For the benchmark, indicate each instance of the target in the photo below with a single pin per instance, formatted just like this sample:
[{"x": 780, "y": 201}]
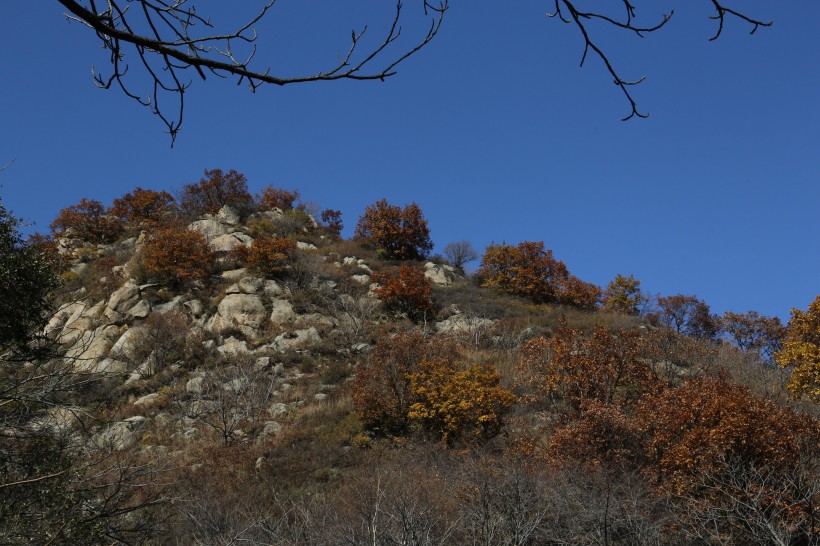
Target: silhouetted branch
[
  {"x": 567, "y": 12},
  {"x": 164, "y": 35}
]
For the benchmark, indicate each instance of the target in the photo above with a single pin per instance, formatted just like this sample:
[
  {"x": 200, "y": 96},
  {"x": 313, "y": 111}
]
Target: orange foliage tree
[
  {"x": 801, "y": 352},
  {"x": 177, "y": 255},
  {"x": 530, "y": 271},
  {"x": 268, "y": 256},
  {"x": 143, "y": 207},
  {"x": 406, "y": 290},
  {"x": 216, "y": 190},
  {"x": 381, "y": 387},
  {"x": 578, "y": 368},
  {"x": 87, "y": 220},
  {"x": 400, "y": 234},
  {"x": 280, "y": 198},
  {"x": 455, "y": 401},
  {"x": 693, "y": 429}
]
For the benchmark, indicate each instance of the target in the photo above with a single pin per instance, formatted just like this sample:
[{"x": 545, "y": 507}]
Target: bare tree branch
[
  {"x": 567, "y": 12},
  {"x": 170, "y": 44}
]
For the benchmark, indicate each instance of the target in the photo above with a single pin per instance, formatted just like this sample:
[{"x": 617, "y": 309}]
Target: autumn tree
[
  {"x": 215, "y": 190},
  {"x": 623, "y": 295},
  {"x": 460, "y": 253},
  {"x": 87, "y": 220},
  {"x": 692, "y": 429},
  {"x": 406, "y": 290},
  {"x": 143, "y": 207},
  {"x": 687, "y": 315},
  {"x": 801, "y": 351},
  {"x": 577, "y": 368},
  {"x": 398, "y": 233},
  {"x": 269, "y": 256},
  {"x": 280, "y": 198},
  {"x": 381, "y": 389},
  {"x": 177, "y": 255},
  {"x": 530, "y": 271},
  {"x": 754, "y": 332},
  {"x": 333, "y": 221},
  {"x": 455, "y": 401}
]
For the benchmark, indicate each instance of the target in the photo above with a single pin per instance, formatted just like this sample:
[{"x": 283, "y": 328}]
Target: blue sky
[{"x": 493, "y": 129}]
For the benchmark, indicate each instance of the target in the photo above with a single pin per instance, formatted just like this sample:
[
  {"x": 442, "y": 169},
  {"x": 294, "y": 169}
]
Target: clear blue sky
[{"x": 493, "y": 130}]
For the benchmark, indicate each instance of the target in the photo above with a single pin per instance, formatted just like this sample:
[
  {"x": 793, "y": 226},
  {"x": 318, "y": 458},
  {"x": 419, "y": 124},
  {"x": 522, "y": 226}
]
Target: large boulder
[
  {"x": 239, "y": 310},
  {"x": 297, "y": 339},
  {"x": 122, "y": 300},
  {"x": 228, "y": 215},
  {"x": 210, "y": 229},
  {"x": 281, "y": 311},
  {"x": 121, "y": 435},
  {"x": 229, "y": 241},
  {"x": 440, "y": 274}
]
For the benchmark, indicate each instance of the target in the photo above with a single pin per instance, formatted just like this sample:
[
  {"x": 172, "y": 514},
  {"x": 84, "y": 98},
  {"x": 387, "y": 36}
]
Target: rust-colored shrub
[
  {"x": 216, "y": 190},
  {"x": 381, "y": 387},
  {"x": 87, "y": 220},
  {"x": 606, "y": 367},
  {"x": 333, "y": 221},
  {"x": 400, "y": 234},
  {"x": 177, "y": 255},
  {"x": 143, "y": 207},
  {"x": 406, "y": 290},
  {"x": 279, "y": 198},
  {"x": 268, "y": 256},
  {"x": 530, "y": 271},
  {"x": 695, "y": 428}
]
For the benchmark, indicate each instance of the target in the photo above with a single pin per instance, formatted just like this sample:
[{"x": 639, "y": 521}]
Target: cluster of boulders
[{"x": 252, "y": 316}]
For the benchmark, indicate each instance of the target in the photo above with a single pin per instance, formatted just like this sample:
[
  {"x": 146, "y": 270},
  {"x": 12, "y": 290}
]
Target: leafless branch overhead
[
  {"x": 170, "y": 37},
  {"x": 568, "y": 12}
]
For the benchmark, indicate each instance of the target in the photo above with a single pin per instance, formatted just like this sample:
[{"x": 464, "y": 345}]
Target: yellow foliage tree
[
  {"x": 801, "y": 352},
  {"x": 455, "y": 401}
]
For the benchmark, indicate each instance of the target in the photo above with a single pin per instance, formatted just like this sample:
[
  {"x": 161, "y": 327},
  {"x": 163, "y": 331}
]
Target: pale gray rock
[
  {"x": 194, "y": 307},
  {"x": 350, "y": 260},
  {"x": 296, "y": 339},
  {"x": 233, "y": 346},
  {"x": 59, "y": 319},
  {"x": 278, "y": 409},
  {"x": 361, "y": 279},
  {"x": 123, "y": 299},
  {"x": 121, "y": 435},
  {"x": 234, "y": 274},
  {"x": 238, "y": 310},
  {"x": 171, "y": 305},
  {"x": 91, "y": 345},
  {"x": 272, "y": 288},
  {"x": 140, "y": 310},
  {"x": 228, "y": 215},
  {"x": 195, "y": 385},
  {"x": 281, "y": 311},
  {"x": 271, "y": 428},
  {"x": 147, "y": 400},
  {"x": 463, "y": 324},
  {"x": 228, "y": 242},
  {"x": 305, "y": 246},
  {"x": 251, "y": 285},
  {"x": 210, "y": 229},
  {"x": 443, "y": 275}
]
